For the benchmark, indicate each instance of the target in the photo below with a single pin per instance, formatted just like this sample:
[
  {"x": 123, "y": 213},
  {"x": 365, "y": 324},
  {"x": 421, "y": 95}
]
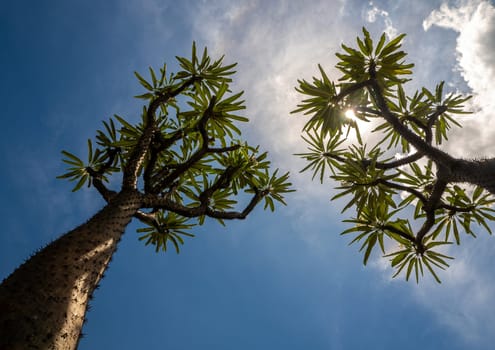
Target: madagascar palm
[
  {"x": 448, "y": 194},
  {"x": 180, "y": 164}
]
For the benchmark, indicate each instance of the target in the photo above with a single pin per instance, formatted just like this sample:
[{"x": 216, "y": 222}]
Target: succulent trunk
[
  {"x": 475, "y": 172},
  {"x": 44, "y": 301}
]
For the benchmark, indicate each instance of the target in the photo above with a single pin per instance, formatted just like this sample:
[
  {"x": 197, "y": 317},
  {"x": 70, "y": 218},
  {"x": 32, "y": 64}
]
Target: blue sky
[{"x": 274, "y": 281}]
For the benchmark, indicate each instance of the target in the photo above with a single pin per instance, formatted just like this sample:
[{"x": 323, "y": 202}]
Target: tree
[
  {"x": 181, "y": 162},
  {"x": 411, "y": 205}
]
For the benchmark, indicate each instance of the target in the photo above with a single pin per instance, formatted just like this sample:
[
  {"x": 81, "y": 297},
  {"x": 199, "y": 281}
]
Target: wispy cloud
[
  {"x": 275, "y": 43},
  {"x": 374, "y": 12}
]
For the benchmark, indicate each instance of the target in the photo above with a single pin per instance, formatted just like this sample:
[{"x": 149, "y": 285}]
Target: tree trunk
[
  {"x": 475, "y": 172},
  {"x": 43, "y": 302}
]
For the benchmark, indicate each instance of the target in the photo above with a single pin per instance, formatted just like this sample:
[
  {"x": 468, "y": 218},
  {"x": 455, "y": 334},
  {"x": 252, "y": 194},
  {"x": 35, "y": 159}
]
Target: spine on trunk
[
  {"x": 476, "y": 172},
  {"x": 61, "y": 277}
]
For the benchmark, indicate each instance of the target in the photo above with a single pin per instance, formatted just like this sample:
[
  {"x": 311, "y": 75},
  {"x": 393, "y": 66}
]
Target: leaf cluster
[
  {"x": 385, "y": 61},
  {"x": 169, "y": 227}
]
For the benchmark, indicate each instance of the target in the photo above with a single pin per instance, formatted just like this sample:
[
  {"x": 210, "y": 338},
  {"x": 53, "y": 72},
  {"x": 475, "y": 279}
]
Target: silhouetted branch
[
  {"x": 166, "y": 203},
  {"x": 138, "y": 153}
]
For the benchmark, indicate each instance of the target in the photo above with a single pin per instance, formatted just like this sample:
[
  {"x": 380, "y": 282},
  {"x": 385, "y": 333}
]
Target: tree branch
[
  {"x": 222, "y": 182},
  {"x": 147, "y": 218},
  {"x": 454, "y": 208},
  {"x": 380, "y": 165},
  {"x": 164, "y": 143},
  {"x": 138, "y": 153},
  {"x": 398, "y": 232},
  {"x": 223, "y": 149},
  {"x": 166, "y": 203},
  {"x": 432, "y": 119},
  {"x": 97, "y": 175},
  {"x": 148, "y": 170},
  {"x": 100, "y": 186},
  {"x": 400, "y": 187},
  {"x": 159, "y": 144},
  {"x": 350, "y": 89},
  {"x": 421, "y": 145},
  {"x": 181, "y": 168},
  {"x": 400, "y": 162},
  {"x": 417, "y": 122},
  {"x": 236, "y": 215},
  {"x": 429, "y": 207}
]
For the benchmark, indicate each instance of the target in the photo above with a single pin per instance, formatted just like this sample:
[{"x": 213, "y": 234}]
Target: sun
[
  {"x": 364, "y": 126},
  {"x": 350, "y": 114}
]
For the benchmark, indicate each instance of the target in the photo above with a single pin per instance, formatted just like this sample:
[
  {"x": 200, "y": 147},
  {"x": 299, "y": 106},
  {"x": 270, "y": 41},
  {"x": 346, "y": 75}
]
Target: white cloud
[
  {"x": 275, "y": 43},
  {"x": 474, "y": 20},
  {"x": 374, "y": 12},
  {"x": 463, "y": 301}
]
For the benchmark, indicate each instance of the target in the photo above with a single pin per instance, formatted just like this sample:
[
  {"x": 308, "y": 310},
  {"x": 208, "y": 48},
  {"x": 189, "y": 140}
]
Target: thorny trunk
[
  {"x": 475, "y": 172},
  {"x": 43, "y": 303}
]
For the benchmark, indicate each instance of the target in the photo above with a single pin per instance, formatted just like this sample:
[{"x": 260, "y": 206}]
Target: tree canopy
[
  {"x": 196, "y": 166},
  {"x": 409, "y": 198}
]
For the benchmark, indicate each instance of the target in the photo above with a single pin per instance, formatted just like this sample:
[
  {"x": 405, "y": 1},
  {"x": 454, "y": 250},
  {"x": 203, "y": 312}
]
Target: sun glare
[
  {"x": 364, "y": 126},
  {"x": 350, "y": 114}
]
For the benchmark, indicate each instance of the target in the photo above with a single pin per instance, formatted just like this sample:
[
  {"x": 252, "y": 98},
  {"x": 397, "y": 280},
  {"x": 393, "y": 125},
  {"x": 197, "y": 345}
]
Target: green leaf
[
  {"x": 143, "y": 82},
  {"x": 153, "y": 77},
  {"x": 80, "y": 183},
  {"x": 427, "y": 264},
  {"x": 370, "y": 245},
  {"x": 368, "y": 43},
  {"x": 391, "y": 46},
  {"x": 410, "y": 266},
  {"x": 400, "y": 257},
  {"x": 72, "y": 159},
  {"x": 380, "y": 44}
]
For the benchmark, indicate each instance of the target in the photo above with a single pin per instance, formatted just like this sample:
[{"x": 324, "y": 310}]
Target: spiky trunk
[
  {"x": 476, "y": 172},
  {"x": 43, "y": 303}
]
